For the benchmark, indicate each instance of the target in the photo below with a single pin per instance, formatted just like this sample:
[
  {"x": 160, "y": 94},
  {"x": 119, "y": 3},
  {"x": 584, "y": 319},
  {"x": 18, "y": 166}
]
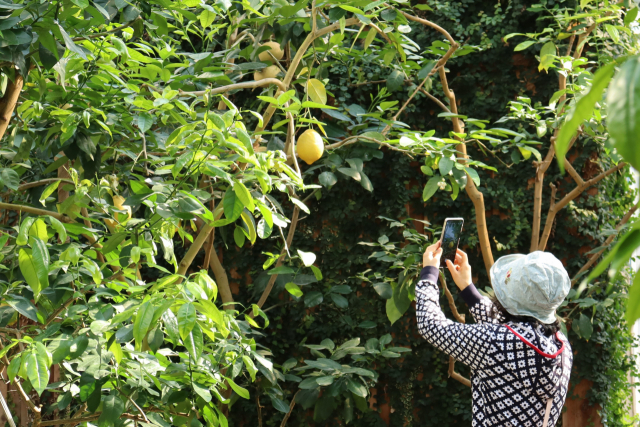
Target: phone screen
[{"x": 450, "y": 239}]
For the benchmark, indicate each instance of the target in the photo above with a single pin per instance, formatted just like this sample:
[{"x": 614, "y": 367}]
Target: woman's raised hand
[
  {"x": 460, "y": 270},
  {"x": 432, "y": 256}
]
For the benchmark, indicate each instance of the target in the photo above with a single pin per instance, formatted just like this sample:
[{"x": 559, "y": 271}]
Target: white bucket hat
[{"x": 530, "y": 285}]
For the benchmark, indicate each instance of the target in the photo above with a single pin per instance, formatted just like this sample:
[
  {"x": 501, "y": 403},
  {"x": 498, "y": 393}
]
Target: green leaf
[
  {"x": 142, "y": 323},
  {"x": 339, "y": 300},
  {"x": 145, "y": 121},
  {"x": 356, "y": 387},
  {"x": 171, "y": 326},
  {"x": 299, "y": 204},
  {"x": 431, "y": 187},
  {"x": 232, "y": 204},
  {"x": 251, "y": 367},
  {"x": 383, "y": 289},
  {"x": 194, "y": 342},
  {"x": 10, "y": 178},
  {"x": 445, "y": 165},
  {"x": 317, "y": 91},
  {"x": 633, "y": 304},
  {"x": 40, "y": 259},
  {"x": 630, "y": 16},
  {"x": 48, "y": 191},
  {"x": 584, "y": 109},
  {"x": 395, "y": 80},
  {"x": 327, "y": 179},
  {"x": 312, "y": 299},
  {"x": 14, "y": 367},
  {"x": 370, "y": 36},
  {"x": 473, "y": 174},
  {"x": 293, "y": 289},
  {"x": 399, "y": 302},
  {"x": 29, "y": 271},
  {"x": 524, "y": 45},
  {"x": 238, "y": 236},
  {"x": 623, "y": 111},
  {"x": 242, "y": 392},
  {"x": 70, "y": 44},
  {"x": 287, "y": 11},
  {"x": 243, "y": 194},
  {"x": 112, "y": 409},
  {"x": 24, "y": 307},
  {"x": 186, "y": 319},
  {"x": 547, "y": 53},
  {"x": 613, "y": 32},
  {"x": 37, "y": 371},
  {"x": 586, "y": 328},
  {"x": 426, "y": 69},
  {"x": 82, "y": 4},
  {"x": 113, "y": 242},
  {"x": 39, "y": 230},
  {"x": 23, "y": 233}
]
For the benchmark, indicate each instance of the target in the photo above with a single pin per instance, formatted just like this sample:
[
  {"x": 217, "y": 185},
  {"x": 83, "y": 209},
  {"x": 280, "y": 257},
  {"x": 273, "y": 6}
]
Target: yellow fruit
[
  {"x": 270, "y": 72},
  {"x": 275, "y": 51},
  {"x": 310, "y": 146},
  {"x": 120, "y": 217}
]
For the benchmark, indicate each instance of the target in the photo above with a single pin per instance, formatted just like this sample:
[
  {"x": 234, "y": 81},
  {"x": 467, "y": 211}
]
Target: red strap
[{"x": 540, "y": 352}]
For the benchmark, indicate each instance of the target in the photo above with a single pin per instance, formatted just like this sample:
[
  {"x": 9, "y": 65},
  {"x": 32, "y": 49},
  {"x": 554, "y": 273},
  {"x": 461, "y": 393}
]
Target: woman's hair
[{"x": 498, "y": 312}]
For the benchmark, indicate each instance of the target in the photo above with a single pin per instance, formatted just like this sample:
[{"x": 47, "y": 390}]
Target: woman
[{"x": 520, "y": 362}]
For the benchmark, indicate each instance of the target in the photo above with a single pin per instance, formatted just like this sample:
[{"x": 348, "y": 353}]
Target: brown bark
[
  {"x": 477, "y": 198},
  {"x": 579, "y": 189},
  {"x": 537, "y": 197},
  {"x": 222, "y": 280},
  {"x": 460, "y": 318},
  {"x": 8, "y": 102}
]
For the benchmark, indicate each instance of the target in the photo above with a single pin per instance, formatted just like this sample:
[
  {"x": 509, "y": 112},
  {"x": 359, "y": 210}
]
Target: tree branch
[
  {"x": 582, "y": 41},
  {"x": 476, "y": 196},
  {"x": 33, "y": 184},
  {"x": 293, "y": 403},
  {"x": 8, "y": 102},
  {"x": 456, "y": 376},
  {"x": 438, "y": 67},
  {"x": 555, "y": 208},
  {"x": 460, "y": 318},
  {"x": 193, "y": 250},
  {"x": 606, "y": 244},
  {"x": 243, "y": 85},
  {"x": 436, "y": 100},
  {"x": 452, "y": 305},
  {"x": 427, "y": 23},
  {"x": 35, "y": 211},
  {"x": 272, "y": 279}
]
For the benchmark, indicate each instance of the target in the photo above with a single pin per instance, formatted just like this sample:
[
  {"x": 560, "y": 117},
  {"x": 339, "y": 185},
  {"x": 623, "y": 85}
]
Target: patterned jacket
[{"x": 515, "y": 368}]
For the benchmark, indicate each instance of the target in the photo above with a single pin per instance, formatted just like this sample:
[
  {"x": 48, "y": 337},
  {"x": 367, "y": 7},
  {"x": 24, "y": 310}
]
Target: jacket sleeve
[
  {"x": 480, "y": 307},
  {"x": 469, "y": 344}
]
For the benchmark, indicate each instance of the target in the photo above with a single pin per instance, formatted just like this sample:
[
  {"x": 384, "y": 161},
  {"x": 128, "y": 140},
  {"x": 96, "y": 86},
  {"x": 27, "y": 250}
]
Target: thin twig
[
  {"x": 606, "y": 244},
  {"x": 144, "y": 153},
  {"x": 293, "y": 403}
]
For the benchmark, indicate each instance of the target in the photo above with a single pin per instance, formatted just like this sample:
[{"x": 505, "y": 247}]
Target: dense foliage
[{"x": 121, "y": 143}]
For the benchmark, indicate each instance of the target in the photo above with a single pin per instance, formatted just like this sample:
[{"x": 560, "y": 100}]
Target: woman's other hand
[
  {"x": 432, "y": 256},
  {"x": 460, "y": 270}
]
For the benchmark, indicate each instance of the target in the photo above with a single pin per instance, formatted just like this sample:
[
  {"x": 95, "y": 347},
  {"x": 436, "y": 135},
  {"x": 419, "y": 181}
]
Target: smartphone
[{"x": 449, "y": 239}]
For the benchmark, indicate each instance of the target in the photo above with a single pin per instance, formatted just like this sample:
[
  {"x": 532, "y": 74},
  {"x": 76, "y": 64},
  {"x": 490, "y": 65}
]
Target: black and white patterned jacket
[{"x": 515, "y": 368}]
